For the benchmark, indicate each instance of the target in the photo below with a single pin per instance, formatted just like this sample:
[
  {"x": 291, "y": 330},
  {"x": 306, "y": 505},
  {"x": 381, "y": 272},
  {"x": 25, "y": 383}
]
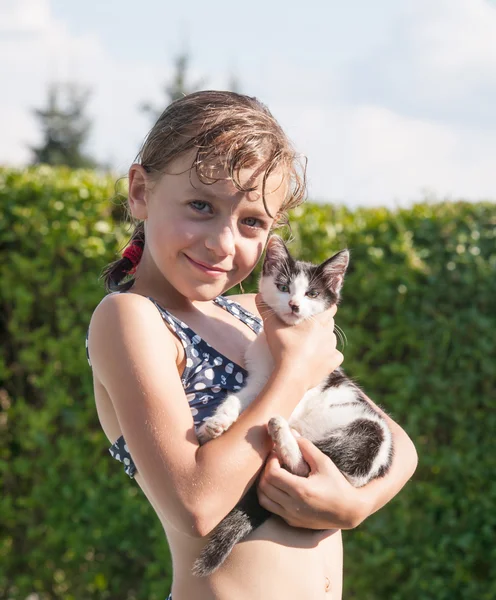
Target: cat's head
[{"x": 295, "y": 289}]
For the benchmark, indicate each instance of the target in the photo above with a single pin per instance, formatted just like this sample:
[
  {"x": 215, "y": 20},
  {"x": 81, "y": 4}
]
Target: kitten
[{"x": 334, "y": 415}]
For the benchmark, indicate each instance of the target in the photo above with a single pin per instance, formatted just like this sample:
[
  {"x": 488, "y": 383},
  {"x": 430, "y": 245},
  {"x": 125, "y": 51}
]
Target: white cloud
[
  {"x": 26, "y": 16},
  {"x": 457, "y": 36},
  {"x": 371, "y": 155},
  {"x": 394, "y": 154},
  {"x": 438, "y": 62}
]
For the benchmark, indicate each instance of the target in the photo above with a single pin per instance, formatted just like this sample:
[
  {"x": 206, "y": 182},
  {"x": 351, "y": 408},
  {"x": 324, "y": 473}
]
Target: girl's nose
[{"x": 221, "y": 242}]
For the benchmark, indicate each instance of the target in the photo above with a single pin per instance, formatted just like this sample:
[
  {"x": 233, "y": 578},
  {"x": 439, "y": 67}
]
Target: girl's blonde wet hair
[{"x": 223, "y": 128}]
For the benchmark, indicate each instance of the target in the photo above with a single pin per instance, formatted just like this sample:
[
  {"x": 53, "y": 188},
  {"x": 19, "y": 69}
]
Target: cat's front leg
[
  {"x": 224, "y": 416},
  {"x": 228, "y": 412},
  {"x": 259, "y": 365},
  {"x": 286, "y": 447}
]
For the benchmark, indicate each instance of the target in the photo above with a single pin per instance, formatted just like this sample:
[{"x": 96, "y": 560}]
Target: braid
[{"x": 114, "y": 273}]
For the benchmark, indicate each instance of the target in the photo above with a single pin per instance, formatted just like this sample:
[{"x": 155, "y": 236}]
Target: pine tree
[
  {"x": 65, "y": 127},
  {"x": 178, "y": 87}
]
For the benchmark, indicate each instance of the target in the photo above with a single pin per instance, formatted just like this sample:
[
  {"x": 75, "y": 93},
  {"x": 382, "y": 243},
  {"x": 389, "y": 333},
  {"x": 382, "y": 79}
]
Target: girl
[{"x": 214, "y": 176}]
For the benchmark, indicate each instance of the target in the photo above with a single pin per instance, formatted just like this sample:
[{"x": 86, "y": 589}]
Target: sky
[{"x": 390, "y": 101}]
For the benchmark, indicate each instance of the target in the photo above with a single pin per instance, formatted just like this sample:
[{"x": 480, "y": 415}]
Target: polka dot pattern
[{"x": 208, "y": 375}]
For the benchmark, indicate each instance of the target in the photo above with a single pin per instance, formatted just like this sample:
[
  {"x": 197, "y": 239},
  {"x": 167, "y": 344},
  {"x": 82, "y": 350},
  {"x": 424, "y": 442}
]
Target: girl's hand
[
  {"x": 323, "y": 500},
  {"x": 311, "y": 344}
]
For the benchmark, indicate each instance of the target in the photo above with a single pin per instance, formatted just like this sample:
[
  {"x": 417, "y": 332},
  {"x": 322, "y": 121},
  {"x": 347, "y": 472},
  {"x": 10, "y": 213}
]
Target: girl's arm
[
  {"x": 134, "y": 356},
  {"x": 326, "y": 500}
]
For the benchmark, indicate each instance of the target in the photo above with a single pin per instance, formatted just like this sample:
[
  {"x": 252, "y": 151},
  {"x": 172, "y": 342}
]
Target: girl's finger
[
  {"x": 326, "y": 318},
  {"x": 314, "y": 457},
  {"x": 270, "y": 505},
  {"x": 283, "y": 480},
  {"x": 272, "y": 463},
  {"x": 274, "y": 493}
]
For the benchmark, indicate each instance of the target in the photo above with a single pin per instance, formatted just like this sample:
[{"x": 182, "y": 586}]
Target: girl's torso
[{"x": 276, "y": 560}]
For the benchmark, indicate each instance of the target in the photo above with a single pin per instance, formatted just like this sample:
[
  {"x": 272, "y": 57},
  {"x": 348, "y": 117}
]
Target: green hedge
[{"x": 419, "y": 313}]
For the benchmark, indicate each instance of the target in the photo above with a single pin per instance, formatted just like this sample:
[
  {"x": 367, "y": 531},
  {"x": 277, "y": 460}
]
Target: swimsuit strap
[
  {"x": 241, "y": 313},
  {"x": 183, "y": 331}
]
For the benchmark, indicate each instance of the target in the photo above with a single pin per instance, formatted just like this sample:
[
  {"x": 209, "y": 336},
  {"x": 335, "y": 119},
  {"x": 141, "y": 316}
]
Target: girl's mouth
[{"x": 205, "y": 268}]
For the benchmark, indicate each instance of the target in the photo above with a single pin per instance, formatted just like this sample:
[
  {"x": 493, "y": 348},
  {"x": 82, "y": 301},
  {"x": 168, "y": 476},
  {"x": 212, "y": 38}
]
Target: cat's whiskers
[
  {"x": 341, "y": 335},
  {"x": 311, "y": 318},
  {"x": 267, "y": 312}
]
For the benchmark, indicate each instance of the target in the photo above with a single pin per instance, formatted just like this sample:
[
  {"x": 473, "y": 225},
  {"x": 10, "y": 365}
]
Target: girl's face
[{"x": 202, "y": 238}]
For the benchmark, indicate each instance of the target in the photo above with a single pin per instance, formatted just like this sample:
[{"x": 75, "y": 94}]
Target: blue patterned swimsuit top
[{"x": 207, "y": 377}]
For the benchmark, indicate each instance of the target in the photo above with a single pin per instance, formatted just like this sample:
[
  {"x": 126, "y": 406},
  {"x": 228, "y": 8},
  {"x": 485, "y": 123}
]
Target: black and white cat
[{"x": 334, "y": 415}]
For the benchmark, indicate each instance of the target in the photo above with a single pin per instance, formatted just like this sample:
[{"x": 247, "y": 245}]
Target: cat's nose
[{"x": 295, "y": 307}]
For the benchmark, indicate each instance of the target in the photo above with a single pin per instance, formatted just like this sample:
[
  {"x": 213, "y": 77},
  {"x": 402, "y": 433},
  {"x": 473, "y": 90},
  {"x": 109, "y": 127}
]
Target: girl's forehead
[{"x": 213, "y": 179}]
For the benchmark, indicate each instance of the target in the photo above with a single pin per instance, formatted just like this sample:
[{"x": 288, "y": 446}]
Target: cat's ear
[
  {"x": 276, "y": 255},
  {"x": 333, "y": 270}
]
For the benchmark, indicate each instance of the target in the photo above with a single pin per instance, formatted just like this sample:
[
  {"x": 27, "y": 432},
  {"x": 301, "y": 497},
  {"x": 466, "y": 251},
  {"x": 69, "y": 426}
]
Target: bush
[
  {"x": 75, "y": 528},
  {"x": 418, "y": 311}
]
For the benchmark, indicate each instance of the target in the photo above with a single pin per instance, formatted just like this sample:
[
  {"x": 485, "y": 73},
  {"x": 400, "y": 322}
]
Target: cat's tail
[{"x": 241, "y": 521}]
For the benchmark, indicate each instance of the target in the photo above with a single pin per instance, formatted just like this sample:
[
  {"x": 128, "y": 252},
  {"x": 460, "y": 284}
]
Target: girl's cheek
[{"x": 253, "y": 252}]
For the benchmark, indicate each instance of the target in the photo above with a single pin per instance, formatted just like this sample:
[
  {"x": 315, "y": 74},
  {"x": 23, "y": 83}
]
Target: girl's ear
[{"x": 137, "y": 192}]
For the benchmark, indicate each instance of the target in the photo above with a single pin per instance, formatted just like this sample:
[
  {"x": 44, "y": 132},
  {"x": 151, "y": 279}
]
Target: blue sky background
[{"x": 388, "y": 100}]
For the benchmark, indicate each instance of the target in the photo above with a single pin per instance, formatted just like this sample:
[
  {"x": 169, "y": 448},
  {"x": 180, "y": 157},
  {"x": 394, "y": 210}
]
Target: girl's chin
[{"x": 206, "y": 292}]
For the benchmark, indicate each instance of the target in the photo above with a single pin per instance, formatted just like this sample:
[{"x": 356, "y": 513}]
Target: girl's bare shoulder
[
  {"x": 121, "y": 323},
  {"x": 124, "y": 307}
]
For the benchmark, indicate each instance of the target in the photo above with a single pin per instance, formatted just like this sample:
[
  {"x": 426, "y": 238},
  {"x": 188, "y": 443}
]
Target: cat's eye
[
  {"x": 283, "y": 288},
  {"x": 312, "y": 294}
]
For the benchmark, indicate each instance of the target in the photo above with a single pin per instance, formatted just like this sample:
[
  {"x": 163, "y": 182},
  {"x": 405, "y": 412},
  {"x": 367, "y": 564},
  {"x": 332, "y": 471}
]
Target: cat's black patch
[
  {"x": 277, "y": 257},
  {"x": 336, "y": 378},
  {"x": 354, "y": 450}
]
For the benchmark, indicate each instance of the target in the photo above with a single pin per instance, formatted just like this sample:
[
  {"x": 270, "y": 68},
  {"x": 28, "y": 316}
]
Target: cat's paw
[
  {"x": 203, "y": 434},
  {"x": 275, "y": 427},
  {"x": 214, "y": 426},
  {"x": 286, "y": 447}
]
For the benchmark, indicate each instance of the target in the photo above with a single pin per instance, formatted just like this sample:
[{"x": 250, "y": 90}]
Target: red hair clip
[{"x": 133, "y": 253}]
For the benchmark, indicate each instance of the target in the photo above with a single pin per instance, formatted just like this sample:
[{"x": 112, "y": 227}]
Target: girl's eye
[
  {"x": 282, "y": 288},
  {"x": 252, "y": 222},
  {"x": 200, "y": 206},
  {"x": 312, "y": 294}
]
